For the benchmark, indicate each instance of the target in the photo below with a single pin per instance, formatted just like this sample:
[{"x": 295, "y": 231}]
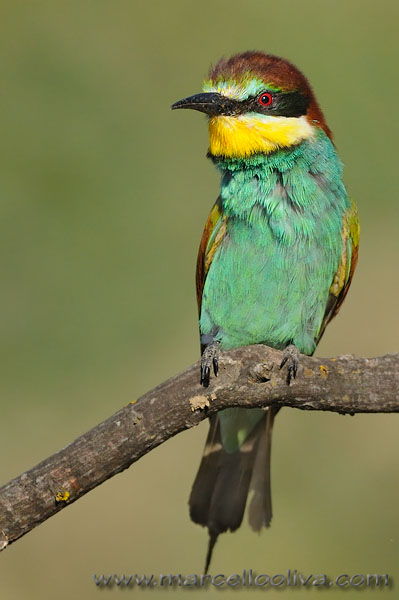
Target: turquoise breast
[{"x": 270, "y": 278}]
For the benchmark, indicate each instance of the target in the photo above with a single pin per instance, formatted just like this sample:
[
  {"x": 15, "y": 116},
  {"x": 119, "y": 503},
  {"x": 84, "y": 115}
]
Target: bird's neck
[{"x": 258, "y": 183}]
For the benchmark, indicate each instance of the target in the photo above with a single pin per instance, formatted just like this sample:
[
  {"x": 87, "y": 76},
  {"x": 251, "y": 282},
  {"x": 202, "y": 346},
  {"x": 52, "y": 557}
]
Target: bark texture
[{"x": 248, "y": 377}]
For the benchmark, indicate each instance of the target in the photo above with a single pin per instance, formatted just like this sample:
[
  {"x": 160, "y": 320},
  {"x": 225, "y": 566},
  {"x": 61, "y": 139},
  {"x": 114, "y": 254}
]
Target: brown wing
[
  {"x": 343, "y": 277},
  {"x": 214, "y": 232}
]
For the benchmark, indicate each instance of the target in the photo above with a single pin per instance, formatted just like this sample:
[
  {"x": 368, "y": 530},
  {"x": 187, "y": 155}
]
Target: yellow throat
[{"x": 244, "y": 135}]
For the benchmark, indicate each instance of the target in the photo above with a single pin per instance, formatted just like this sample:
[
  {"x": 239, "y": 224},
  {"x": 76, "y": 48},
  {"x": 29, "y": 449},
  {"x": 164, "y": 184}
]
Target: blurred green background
[{"x": 104, "y": 194}]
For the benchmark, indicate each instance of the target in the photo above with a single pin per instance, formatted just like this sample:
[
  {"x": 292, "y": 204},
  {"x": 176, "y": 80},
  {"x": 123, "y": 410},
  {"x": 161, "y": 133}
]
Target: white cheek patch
[
  {"x": 300, "y": 122},
  {"x": 298, "y": 128}
]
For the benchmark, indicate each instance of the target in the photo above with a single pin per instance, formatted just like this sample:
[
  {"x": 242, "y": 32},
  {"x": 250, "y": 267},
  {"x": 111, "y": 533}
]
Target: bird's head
[{"x": 256, "y": 103}]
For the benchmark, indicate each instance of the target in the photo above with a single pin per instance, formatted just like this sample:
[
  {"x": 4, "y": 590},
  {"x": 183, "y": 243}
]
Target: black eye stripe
[{"x": 284, "y": 104}]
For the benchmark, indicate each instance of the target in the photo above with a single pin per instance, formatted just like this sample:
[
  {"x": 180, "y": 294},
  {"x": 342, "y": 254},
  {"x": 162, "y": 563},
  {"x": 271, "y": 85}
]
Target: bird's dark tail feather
[
  {"x": 219, "y": 493},
  {"x": 260, "y": 509},
  {"x": 211, "y": 544}
]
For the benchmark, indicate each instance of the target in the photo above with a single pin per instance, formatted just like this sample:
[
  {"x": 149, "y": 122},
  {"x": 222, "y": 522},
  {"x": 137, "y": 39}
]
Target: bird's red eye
[{"x": 265, "y": 99}]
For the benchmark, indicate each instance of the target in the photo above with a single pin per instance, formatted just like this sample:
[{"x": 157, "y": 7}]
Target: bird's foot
[
  {"x": 209, "y": 358},
  {"x": 291, "y": 358}
]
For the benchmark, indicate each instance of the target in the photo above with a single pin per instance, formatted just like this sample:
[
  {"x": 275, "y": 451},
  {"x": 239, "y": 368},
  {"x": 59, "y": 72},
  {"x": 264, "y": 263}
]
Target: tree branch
[{"x": 249, "y": 377}]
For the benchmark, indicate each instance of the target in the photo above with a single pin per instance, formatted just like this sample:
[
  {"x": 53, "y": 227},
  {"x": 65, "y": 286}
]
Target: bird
[{"x": 276, "y": 259}]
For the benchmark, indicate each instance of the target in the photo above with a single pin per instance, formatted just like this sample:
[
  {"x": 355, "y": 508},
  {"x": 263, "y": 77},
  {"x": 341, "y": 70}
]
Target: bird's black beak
[{"x": 210, "y": 103}]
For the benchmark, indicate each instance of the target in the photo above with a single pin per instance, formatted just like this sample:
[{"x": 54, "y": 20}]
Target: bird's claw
[
  {"x": 291, "y": 358},
  {"x": 210, "y": 357}
]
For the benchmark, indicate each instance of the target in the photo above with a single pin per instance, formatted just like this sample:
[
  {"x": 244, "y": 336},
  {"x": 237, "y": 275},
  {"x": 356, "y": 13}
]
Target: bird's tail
[{"x": 224, "y": 479}]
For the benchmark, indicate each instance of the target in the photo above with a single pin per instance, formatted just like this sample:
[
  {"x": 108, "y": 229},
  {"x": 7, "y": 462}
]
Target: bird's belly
[{"x": 259, "y": 290}]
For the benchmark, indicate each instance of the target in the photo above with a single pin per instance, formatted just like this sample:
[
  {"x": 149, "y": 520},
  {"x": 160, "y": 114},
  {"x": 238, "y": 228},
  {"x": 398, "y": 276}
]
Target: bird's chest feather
[{"x": 270, "y": 278}]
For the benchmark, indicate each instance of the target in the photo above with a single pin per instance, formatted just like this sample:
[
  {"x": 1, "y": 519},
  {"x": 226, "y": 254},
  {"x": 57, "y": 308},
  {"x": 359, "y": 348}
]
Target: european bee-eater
[{"x": 275, "y": 262}]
